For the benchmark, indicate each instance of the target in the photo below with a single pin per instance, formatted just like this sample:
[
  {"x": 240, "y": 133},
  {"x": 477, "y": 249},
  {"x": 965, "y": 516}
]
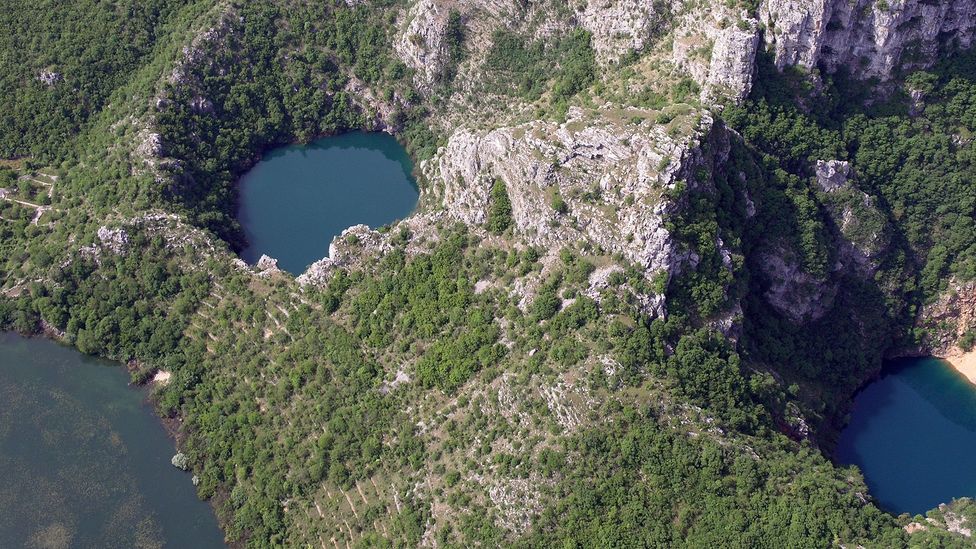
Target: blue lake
[
  {"x": 85, "y": 461},
  {"x": 913, "y": 435},
  {"x": 297, "y": 198}
]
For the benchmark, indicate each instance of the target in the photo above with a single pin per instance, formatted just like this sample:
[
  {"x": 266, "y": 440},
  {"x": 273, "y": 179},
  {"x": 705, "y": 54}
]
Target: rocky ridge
[{"x": 612, "y": 176}]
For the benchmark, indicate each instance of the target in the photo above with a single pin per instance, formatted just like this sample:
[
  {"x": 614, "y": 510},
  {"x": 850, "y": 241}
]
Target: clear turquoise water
[
  {"x": 84, "y": 461},
  {"x": 913, "y": 435},
  {"x": 298, "y": 198}
]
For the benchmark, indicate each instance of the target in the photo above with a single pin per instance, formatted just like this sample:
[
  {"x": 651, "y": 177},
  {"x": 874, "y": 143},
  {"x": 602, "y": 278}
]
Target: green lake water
[
  {"x": 84, "y": 461},
  {"x": 913, "y": 435},
  {"x": 297, "y": 198}
]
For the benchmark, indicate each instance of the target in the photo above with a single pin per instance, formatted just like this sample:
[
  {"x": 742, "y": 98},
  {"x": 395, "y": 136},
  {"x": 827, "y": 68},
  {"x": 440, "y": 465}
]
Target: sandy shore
[{"x": 964, "y": 363}]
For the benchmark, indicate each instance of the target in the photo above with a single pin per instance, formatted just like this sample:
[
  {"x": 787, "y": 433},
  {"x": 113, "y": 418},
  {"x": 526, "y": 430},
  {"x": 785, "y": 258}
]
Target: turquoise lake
[
  {"x": 913, "y": 435},
  {"x": 85, "y": 461},
  {"x": 297, "y": 198}
]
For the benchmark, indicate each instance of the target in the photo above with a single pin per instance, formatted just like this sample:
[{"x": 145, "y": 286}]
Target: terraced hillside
[{"x": 641, "y": 225}]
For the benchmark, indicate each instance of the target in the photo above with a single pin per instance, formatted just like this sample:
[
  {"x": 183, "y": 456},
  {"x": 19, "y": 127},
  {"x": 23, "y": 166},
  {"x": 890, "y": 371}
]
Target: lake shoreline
[
  {"x": 911, "y": 433},
  {"x": 963, "y": 362},
  {"x": 155, "y": 458}
]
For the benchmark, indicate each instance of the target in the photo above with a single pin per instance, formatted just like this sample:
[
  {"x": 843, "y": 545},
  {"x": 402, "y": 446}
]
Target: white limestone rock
[
  {"x": 832, "y": 174},
  {"x": 113, "y": 240},
  {"x": 180, "y": 461},
  {"x": 267, "y": 265},
  {"x": 614, "y": 176},
  {"x": 619, "y": 27},
  {"x": 50, "y": 78},
  {"x": 717, "y": 47},
  {"x": 421, "y": 45},
  {"x": 870, "y": 38}
]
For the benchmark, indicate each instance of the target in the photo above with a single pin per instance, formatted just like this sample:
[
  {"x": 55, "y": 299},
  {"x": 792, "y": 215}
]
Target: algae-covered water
[{"x": 84, "y": 461}]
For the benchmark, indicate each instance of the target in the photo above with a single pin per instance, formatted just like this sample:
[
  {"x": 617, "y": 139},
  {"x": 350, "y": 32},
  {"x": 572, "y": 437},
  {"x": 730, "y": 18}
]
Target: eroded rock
[
  {"x": 612, "y": 176},
  {"x": 832, "y": 174},
  {"x": 869, "y": 38},
  {"x": 114, "y": 240},
  {"x": 796, "y": 294}
]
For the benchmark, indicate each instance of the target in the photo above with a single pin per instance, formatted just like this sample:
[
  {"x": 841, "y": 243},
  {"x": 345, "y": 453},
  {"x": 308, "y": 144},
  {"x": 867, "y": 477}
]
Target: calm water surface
[
  {"x": 84, "y": 461},
  {"x": 913, "y": 434},
  {"x": 298, "y": 198}
]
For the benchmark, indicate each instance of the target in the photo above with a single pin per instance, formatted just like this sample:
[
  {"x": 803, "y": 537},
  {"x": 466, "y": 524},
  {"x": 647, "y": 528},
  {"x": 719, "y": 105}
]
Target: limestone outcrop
[
  {"x": 620, "y": 26},
  {"x": 421, "y": 45},
  {"x": 832, "y": 174},
  {"x": 354, "y": 246},
  {"x": 592, "y": 179},
  {"x": 113, "y": 240},
  {"x": 947, "y": 321},
  {"x": 267, "y": 265},
  {"x": 869, "y": 38},
  {"x": 717, "y": 46}
]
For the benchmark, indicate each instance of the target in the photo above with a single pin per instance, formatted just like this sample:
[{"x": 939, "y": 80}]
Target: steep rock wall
[
  {"x": 946, "y": 321},
  {"x": 717, "y": 46},
  {"x": 869, "y": 38},
  {"x": 612, "y": 175}
]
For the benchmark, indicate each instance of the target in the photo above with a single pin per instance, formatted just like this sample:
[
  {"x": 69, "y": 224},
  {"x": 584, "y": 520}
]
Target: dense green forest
[
  {"x": 62, "y": 62},
  {"x": 295, "y": 419}
]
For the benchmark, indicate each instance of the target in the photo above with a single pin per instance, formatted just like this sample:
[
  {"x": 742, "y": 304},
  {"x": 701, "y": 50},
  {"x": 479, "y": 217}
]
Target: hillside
[{"x": 641, "y": 225}]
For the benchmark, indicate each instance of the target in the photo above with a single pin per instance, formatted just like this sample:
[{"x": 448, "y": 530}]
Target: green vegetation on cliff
[{"x": 461, "y": 388}]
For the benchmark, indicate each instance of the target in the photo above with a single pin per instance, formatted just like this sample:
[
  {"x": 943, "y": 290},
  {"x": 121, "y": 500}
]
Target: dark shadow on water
[
  {"x": 941, "y": 386},
  {"x": 913, "y": 435}
]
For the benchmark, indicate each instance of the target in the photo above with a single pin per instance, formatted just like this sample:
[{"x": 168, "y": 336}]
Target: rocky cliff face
[
  {"x": 620, "y": 26},
  {"x": 947, "y": 321},
  {"x": 717, "y": 46},
  {"x": 858, "y": 234},
  {"x": 612, "y": 174},
  {"x": 421, "y": 44},
  {"x": 797, "y": 295},
  {"x": 871, "y": 39}
]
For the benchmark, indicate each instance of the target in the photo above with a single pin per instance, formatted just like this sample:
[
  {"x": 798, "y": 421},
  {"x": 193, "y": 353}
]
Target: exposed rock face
[
  {"x": 180, "y": 461},
  {"x": 799, "y": 296},
  {"x": 611, "y": 174},
  {"x": 114, "y": 240},
  {"x": 732, "y": 65},
  {"x": 948, "y": 319},
  {"x": 267, "y": 265},
  {"x": 869, "y": 38},
  {"x": 421, "y": 46},
  {"x": 353, "y": 245},
  {"x": 378, "y": 113},
  {"x": 832, "y": 174},
  {"x": 718, "y": 48},
  {"x": 50, "y": 78},
  {"x": 342, "y": 251},
  {"x": 195, "y": 59},
  {"x": 956, "y": 522},
  {"x": 422, "y": 43},
  {"x": 152, "y": 146},
  {"x": 619, "y": 26},
  {"x": 861, "y": 229}
]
